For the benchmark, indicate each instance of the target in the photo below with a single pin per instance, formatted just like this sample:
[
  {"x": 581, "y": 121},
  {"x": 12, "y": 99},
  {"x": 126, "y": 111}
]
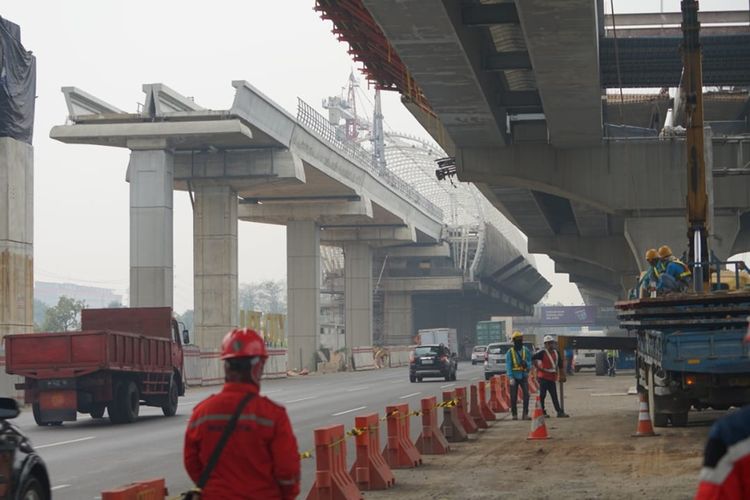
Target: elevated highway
[
  {"x": 517, "y": 92},
  {"x": 257, "y": 162}
]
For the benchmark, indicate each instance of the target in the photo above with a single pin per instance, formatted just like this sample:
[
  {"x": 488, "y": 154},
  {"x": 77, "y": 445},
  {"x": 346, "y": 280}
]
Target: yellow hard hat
[
  {"x": 651, "y": 254},
  {"x": 664, "y": 251},
  {"x": 516, "y": 335}
]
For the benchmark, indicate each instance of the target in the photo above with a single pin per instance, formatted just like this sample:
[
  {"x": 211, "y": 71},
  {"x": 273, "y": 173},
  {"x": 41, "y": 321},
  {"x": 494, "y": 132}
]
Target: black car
[
  {"x": 432, "y": 360},
  {"x": 23, "y": 475}
]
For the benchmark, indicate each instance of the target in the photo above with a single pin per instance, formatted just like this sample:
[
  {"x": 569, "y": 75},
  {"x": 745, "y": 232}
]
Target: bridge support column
[
  {"x": 215, "y": 264},
  {"x": 398, "y": 324},
  {"x": 358, "y": 294},
  {"x": 150, "y": 174},
  {"x": 303, "y": 292},
  {"x": 16, "y": 237}
]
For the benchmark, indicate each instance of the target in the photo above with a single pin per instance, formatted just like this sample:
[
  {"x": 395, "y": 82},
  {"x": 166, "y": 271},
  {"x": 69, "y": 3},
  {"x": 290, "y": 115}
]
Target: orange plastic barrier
[
  {"x": 153, "y": 489},
  {"x": 474, "y": 412},
  {"x": 451, "y": 427},
  {"x": 400, "y": 452},
  {"x": 506, "y": 391},
  {"x": 331, "y": 480},
  {"x": 498, "y": 403},
  {"x": 463, "y": 411},
  {"x": 484, "y": 408},
  {"x": 431, "y": 441},
  {"x": 370, "y": 471}
]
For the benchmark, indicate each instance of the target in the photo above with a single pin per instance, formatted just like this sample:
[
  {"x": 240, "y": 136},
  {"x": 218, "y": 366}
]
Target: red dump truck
[{"x": 121, "y": 359}]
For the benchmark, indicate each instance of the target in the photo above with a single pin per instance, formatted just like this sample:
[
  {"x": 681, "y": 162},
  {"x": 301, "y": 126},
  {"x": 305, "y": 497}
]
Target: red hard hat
[{"x": 243, "y": 343}]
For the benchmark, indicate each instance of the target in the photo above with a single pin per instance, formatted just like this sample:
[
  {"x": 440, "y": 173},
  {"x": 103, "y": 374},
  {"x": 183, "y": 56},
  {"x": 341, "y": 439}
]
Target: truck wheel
[
  {"x": 38, "y": 417},
  {"x": 412, "y": 378},
  {"x": 169, "y": 408},
  {"x": 679, "y": 419},
  {"x": 97, "y": 410},
  {"x": 601, "y": 364},
  {"x": 577, "y": 369},
  {"x": 124, "y": 409}
]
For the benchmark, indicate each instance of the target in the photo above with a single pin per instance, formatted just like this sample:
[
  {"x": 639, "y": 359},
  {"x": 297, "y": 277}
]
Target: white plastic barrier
[
  {"x": 399, "y": 355},
  {"x": 363, "y": 358},
  {"x": 204, "y": 367},
  {"x": 276, "y": 364}
]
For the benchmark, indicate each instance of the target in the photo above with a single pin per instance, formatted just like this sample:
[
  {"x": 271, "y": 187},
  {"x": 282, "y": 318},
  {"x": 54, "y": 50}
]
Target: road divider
[
  {"x": 331, "y": 478},
  {"x": 451, "y": 427},
  {"x": 463, "y": 412},
  {"x": 474, "y": 411},
  {"x": 370, "y": 470},
  {"x": 431, "y": 441},
  {"x": 152, "y": 489},
  {"x": 400, "y": 452},
  {"x": 487, "y": 414}
]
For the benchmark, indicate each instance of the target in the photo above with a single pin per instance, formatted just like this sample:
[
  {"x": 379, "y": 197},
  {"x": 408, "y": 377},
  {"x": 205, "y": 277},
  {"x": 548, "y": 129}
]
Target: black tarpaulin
[{"x": 17, "y": 84}]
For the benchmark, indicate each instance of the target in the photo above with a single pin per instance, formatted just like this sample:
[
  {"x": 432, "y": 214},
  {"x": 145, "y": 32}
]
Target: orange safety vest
[{"x": 548, "y": 370}]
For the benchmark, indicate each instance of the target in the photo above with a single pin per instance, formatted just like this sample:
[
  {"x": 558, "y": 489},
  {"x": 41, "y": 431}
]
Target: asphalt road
[{"x": 89, "y": 456}]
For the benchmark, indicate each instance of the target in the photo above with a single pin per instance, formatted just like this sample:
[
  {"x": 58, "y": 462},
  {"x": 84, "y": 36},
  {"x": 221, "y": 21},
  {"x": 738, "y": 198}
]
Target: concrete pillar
[
  {"x": 16, "y": 237},
  {"x": 215, "y": 264},
  {"x": 653, "y": 232},
  {"x": 358, "y": 294},
  {"x": 150, "y": 174},
  {"x": 398, "y": 312},
  {"x": 303, "y": 292}
]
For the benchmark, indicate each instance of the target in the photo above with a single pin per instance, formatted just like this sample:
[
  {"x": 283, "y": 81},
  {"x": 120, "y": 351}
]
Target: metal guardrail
[{"x": 316, "y": 123}]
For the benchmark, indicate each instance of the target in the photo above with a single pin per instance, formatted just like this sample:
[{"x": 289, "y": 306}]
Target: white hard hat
[{"x": 548, "y": 338}]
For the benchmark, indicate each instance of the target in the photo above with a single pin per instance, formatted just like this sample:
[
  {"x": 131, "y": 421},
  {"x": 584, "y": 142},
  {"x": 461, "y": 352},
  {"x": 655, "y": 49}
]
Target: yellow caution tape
[{"x": 305, "y": 454}]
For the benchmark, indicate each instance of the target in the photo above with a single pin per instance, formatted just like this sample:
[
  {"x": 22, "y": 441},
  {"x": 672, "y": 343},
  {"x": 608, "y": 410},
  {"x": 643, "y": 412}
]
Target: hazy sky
[{"x": 110, "y": 49}]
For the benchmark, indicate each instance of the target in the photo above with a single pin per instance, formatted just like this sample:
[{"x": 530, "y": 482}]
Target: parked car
[
  {"x": 23, "y": 471},
  {"x": 585, "y": 358},
  {"x": 477, "y": 354},
  {"x": 432, "y": 360},
  {"x": 494, "y": 359}
]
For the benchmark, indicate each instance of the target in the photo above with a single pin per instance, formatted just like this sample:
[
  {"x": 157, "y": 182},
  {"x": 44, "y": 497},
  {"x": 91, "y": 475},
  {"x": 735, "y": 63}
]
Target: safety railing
[{"x": 317, "y": 124}]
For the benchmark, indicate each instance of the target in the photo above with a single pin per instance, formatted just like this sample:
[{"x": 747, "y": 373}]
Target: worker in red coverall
[
  {"x": 261, "y": 459},
  {"x": 726, "y": 461}
]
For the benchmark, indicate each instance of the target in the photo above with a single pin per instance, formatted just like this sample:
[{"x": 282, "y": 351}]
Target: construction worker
[
  {"x": 517, "y": 364},
  {"x": 650, "y": 277},
  {"x": 260, "y": 459},
  {"x": 726, "y": 459},
  {"x": 549, "y": 363},
  {"x": 675, "y": 276},
  {"x": 611, "y": 361}
]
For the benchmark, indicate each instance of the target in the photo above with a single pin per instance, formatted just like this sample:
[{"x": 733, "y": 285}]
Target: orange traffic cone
[
  {"x": 538, "y": 427},
  {"x": 644, "y": 428}
]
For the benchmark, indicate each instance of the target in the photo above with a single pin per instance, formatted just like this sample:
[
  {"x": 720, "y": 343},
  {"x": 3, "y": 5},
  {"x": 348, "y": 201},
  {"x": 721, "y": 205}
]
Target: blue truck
[{"x": 690, "y": 352}]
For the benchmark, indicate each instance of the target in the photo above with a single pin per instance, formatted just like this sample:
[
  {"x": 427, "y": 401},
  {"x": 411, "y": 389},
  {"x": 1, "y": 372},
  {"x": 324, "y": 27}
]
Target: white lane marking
[
  {"x": 59, "y": 487},
  {"x": 410, "y": 395},
  {"x": 50, "y": 445},
  {"x": 298, "y": 400},
  {"x": 348, "y": 411},
  {"x": 475, "y": 378},
  {"x": 358, "y": 388},
  {"x": 447, "y": 385},
  {"x": 265, "y": 393}
]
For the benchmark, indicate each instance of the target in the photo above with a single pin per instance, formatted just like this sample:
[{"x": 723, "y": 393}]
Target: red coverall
[{"x": 260, "y": 460}]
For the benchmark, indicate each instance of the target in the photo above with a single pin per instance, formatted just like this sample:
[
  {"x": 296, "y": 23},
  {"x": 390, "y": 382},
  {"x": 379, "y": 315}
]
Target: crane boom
[{"x": 697, "y": 196}]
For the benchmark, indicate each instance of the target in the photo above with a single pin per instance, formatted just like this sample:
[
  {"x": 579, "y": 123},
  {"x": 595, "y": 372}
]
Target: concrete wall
[{"x": 16, "y": 237}]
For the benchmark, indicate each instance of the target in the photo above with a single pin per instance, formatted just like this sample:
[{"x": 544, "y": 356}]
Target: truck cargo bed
[{"x": 71, "y": 354}]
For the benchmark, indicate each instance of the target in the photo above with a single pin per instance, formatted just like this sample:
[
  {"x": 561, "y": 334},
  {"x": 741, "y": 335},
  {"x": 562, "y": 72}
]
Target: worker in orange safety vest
[
  {"x": 548, "y": 364},
  {"x": 260, "y": 458}
]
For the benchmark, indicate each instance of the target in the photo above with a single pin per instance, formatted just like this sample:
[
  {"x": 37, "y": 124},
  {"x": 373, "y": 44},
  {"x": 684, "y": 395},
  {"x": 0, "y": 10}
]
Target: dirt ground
[{"x": 590, "y": 455}]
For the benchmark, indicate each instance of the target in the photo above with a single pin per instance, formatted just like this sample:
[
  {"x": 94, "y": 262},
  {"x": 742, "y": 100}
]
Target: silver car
[{"x": 477, "y": 355}]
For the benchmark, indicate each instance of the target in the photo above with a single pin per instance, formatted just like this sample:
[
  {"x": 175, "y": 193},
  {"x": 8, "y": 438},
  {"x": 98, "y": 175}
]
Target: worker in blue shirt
[
  {"x": 676, "y": 275},
  {"x": 517, "y": 365}
]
